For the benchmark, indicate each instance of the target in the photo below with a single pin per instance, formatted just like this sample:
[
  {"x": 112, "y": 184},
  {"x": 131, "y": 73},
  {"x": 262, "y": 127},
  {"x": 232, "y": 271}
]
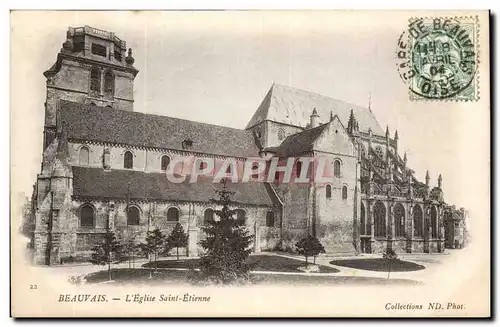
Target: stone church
[{"x": 103, "y": 167}]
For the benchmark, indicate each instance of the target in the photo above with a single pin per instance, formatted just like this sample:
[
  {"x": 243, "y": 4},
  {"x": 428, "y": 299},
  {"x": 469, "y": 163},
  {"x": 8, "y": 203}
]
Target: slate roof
[
  {"x": 299, "y": 143},
  {"x": 123, "y": 184},
  {"x": 292, "y": 106},
  {"x": 90, "y": 122}
]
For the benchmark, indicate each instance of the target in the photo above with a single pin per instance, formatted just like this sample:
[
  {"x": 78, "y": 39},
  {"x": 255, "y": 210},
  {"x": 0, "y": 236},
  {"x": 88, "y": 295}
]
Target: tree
[
  {"x": 107, "y": 251},
  {"x": 389, "y": 255},
  {"x": 309, "y": 246},
  {"x": 130, "y": 248},
  {"x": 155, "y": 240},
  {"x": 226, "y": 246},
  {"x": 177, "y": 238}
]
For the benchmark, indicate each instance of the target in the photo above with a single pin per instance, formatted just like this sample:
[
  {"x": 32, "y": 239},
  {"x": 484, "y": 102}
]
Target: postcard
[{"x": 250, "y": 164}]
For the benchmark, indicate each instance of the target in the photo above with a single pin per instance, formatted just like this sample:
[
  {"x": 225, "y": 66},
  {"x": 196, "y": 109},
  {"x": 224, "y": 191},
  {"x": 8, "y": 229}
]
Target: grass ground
[
  {"x": 257, "y": 262},
  {"x": 140, "y": 276},
  {"x": 378, "y": 264}
]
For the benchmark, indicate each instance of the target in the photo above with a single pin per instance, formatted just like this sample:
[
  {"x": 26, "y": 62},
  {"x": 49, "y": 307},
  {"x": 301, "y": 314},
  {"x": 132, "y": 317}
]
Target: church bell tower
[{"x": 92, "y": 67}]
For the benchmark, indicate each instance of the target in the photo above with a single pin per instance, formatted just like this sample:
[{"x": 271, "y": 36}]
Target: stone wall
[{"x": 76, "y": 242}]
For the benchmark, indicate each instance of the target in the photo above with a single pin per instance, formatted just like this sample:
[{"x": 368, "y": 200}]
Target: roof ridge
[{"x": 321, "y": 95}]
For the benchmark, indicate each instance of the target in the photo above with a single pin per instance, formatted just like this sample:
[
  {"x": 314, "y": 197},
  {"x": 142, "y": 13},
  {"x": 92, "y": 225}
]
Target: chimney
[{"x": 314, "y": 119}]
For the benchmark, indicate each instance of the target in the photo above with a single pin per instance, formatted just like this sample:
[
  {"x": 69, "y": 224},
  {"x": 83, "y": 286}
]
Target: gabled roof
[
  {"x": 90, "y": 122},
  {"x": 138, "y": 185},
  {"x": 299, "y": 143},
  {"x": 292, "y": 106}
]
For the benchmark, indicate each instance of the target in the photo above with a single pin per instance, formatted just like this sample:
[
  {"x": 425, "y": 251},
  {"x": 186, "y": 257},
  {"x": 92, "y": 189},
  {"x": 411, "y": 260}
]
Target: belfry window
[
  {"x": 128, "y": 160},
  {"x": 95, "y": 79},
  {"x": 99, "y": 50},
  {"x": 109, "y": 83},
  {"x": 118, "y": 56}
]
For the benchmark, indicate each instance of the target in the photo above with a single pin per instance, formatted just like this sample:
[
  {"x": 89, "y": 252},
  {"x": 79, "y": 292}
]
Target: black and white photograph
[{"x": 230, "y": 163}]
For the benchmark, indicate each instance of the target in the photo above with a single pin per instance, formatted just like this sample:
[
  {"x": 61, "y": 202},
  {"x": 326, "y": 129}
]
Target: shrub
[{"x": 310, "y": 246}]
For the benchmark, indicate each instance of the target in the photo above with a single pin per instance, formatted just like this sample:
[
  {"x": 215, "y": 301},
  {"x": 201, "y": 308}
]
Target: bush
[{"x": 310, "y": 246}]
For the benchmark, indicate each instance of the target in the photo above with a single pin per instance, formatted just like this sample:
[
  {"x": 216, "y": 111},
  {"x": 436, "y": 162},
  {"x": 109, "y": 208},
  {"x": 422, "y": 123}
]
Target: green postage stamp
[{"x": 438, "y": 58}]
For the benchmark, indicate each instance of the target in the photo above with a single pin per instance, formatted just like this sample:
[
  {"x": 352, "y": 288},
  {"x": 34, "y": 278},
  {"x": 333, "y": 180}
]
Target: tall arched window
[
  {"x": 173, "y": 214},
  {"x": 434, "y": 224},
  {"x": 379, "y": 219},
  {"x": 399, "y": 220},
  {"x": 86, "y": 216},
  {"x": 109, "y": 83},
  {"x": 328, "y": 191},
  {"x": 298, "y": 168},
  {"x": 240, "y": 216},
  {"x": 208, "y": 215},
  {"x": 344, "y": 192},
  {"x": 270, "y": 219},
  {"x": 281, "y": 134},
  {"x": 95, "y": 79},
  {"x": 336, "y": 168},
  {"x": 133, "y": 216},
  {"x": 418, "y": 222},
  {"x": 128, "y": 160},
  {"x": 362, "y": 221},
  {"x": 83, "y": 158},
  {"x": 165, "y": 161}
]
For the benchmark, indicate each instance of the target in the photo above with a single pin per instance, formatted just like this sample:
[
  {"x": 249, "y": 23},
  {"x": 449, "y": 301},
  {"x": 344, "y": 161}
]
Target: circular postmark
[{"x": 437, "y": 58}]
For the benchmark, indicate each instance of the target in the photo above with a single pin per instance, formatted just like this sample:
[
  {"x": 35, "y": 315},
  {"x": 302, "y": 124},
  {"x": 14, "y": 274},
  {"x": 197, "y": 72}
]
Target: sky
[{"x": 217, "y": 66}]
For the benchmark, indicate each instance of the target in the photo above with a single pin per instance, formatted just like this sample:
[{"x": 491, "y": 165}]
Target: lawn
[
  {"x": 139, "y": 276},
  {"x": 378, "y": 264},
  {"x": 257, "y": 262}
]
